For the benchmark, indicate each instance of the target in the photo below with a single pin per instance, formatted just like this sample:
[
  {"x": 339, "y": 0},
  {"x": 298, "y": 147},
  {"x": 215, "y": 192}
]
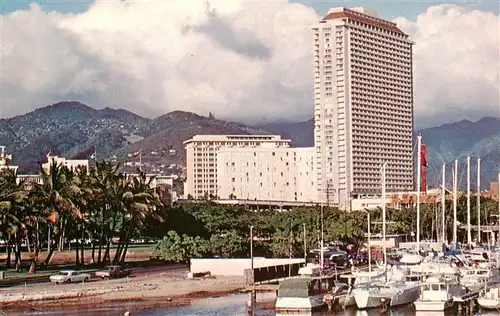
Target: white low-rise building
[
  {"x": 249, "y": 167},
  {"x": 266, "y": 173},
  {"x": 5, "y": 160},
  {"x": 72, "y": 164},
  {"x": 201, "y": 158},
  {"x": 394, "y": 200}
]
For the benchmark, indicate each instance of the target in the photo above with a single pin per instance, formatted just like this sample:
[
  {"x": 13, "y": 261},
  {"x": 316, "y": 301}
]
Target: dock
[
  {"x": 262, "y": 288},
  {"x": 467, "y": 297}
]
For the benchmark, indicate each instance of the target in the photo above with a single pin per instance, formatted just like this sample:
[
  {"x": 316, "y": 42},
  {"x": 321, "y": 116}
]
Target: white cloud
[
  {"x": 248, "y": 61},
  {"x": 457, "y": 64}
]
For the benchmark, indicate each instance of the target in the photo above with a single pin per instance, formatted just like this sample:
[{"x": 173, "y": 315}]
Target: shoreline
[
  {"x": 145, "y": 294},
  {"x": 140, "y": 304}
]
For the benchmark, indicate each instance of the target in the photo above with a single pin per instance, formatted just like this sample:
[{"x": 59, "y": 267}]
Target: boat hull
[
  {"x": 346, "y": 300},
  {"x": 432, "y": 306},
  {"x": 299, "y": 304},
  {"x": 489, "y": 303},
  {"x": 367, "y": 299}
]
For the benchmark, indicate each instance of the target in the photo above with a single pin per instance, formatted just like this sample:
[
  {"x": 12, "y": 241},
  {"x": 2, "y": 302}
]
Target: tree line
[
  {"x": 95, "y": 204},
  {"x": 212, "y": 230},
  {"x": 101, "y": 204}
]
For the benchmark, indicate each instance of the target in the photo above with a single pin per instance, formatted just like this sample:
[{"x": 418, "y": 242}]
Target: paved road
[{"x": 172, "y": 270}]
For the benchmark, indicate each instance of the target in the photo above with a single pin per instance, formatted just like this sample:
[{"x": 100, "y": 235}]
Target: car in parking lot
[
  {"x": 69, "y": 276},
  {"x": 112, "y": 272}
]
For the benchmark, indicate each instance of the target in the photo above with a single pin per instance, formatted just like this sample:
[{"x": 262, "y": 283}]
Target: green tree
[
  {"x": 229, "y": 244},
  {"x": 181, "y": 248}
]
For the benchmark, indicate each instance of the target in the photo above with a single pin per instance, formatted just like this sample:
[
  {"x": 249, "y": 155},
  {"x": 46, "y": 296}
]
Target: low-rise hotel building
[
  {"x": 251, "y": 167},
  {"x": 266, "y": 174},
  {"x": 201, "y": 159}
]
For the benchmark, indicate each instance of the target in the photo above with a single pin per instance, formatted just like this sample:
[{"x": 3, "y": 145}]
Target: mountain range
[{"x": 72, "y": 129}]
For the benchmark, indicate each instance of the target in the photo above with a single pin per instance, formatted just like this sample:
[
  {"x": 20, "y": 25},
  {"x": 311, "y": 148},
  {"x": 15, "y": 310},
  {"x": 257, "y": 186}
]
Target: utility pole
[
  {"x": 291, "y": 250},
  {"x": 322, "y": 258},
  {"x": 252, "y": 298},
  {"x": 305, "y": 245}
]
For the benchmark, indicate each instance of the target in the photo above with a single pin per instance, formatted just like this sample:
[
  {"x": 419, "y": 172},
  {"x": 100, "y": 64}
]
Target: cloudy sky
[{"x": 249, "y": 61}]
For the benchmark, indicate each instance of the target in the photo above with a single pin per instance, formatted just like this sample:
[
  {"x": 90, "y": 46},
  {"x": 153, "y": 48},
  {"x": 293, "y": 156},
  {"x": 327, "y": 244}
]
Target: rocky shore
[{"x": 152, "y": 292}]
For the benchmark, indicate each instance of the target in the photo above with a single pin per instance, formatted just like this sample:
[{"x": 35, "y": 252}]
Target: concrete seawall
[
  {"x": 236, "y": 267},
  {"x": 51, "y": 295}
]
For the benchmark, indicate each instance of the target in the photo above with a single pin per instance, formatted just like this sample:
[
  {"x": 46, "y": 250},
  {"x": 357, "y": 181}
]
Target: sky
[{"x": 249, "y": 61}]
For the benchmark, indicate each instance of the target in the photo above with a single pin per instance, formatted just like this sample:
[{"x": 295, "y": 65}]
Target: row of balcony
[
  {"x": 366, "y": 106},
  {"x": 375, "y": 37},
  {"x": 403, "y": 53}
]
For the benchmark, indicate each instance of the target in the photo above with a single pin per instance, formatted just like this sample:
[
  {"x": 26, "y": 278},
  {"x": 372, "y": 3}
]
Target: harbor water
[{"x": 226, "y": 305}]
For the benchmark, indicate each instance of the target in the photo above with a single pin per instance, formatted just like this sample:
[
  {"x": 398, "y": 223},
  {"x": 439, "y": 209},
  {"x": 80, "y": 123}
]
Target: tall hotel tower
[{"x": 363, "y": 109}]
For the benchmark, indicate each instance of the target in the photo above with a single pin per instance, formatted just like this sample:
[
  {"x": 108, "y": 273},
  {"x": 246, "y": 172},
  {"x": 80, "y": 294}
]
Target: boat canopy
[
  {"x": 295, "y": 288},
  {"x": 409, "y": 258}
]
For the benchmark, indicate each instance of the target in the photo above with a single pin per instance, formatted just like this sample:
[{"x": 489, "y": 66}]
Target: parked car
[
  {"x": 112, "y": 272},
  {"x": 69, "y": 276}
]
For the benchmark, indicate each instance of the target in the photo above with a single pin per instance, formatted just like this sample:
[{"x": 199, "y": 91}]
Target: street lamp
[
  {"x": 251, "y": 250},
  {"x": 252, "y": 295}
]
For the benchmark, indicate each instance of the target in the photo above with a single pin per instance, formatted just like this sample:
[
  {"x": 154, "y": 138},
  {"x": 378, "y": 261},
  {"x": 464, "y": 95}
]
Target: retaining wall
[{"x": 236, "y": 267}]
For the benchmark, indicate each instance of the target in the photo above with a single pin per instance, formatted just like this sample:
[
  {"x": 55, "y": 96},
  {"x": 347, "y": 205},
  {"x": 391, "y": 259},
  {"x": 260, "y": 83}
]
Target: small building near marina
[{"x": 5, "y": 160}]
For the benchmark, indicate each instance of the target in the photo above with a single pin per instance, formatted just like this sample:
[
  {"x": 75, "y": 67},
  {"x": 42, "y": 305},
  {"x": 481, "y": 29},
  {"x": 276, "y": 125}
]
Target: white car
[{"x": 69, "y": 276}]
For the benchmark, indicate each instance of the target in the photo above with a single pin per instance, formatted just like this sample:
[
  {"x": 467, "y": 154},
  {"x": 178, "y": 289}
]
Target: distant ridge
[{"x": 74, "y": 129}]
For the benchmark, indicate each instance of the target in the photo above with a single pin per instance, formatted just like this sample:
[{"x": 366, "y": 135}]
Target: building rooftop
[
  {"x": 221, "y": 138},
  {"x": 364, "y": 16}
]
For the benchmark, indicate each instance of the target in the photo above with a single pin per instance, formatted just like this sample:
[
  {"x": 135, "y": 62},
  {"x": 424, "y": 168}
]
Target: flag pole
[{"x": 140, "y": 159}]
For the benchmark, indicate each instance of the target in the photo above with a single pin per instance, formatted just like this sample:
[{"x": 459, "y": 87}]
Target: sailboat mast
[
  {"x": 469, "y": 235},
  {"x": 383, "y": 218},
  {"x": 443, "y": 205},
  {"x": 478, "y": 200},
  {"x": 455, "y": 176},
  {"x": 419, "y": 150},
  {"x": 322, "y": 257}
]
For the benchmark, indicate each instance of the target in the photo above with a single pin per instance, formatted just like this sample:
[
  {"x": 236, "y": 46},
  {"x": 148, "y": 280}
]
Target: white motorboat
[
  {"x": 393, "y": 294},
  {"x": 490, "y": 298},
  {"x": 438, "y": 293},
  {"x": 476, "y": 278},
  {"x": 303, "y": 294}
]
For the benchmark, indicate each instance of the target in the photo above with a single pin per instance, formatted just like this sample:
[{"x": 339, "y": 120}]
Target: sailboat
[
  {"x": 392, "y": 293},
  {"x": 306, "y": 293},
  {"x": 490, "y": 297}
]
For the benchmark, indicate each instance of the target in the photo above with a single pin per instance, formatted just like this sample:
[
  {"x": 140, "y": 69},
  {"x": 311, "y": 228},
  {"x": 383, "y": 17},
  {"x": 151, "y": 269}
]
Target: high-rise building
[{"x": 363, "y": 89}]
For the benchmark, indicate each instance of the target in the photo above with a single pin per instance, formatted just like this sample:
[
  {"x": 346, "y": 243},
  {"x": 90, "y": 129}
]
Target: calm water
[{"x": 227, "y": 305}]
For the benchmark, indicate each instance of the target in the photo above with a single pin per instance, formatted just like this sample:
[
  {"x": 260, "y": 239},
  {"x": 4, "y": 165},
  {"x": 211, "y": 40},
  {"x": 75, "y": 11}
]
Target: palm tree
[
  {"x": 135, "y": 199},
  {"x": 58, "y": 191},
  {"x": 84, "y": 202},
  {"x": 104, "y": 177},
  {"x": 15, "y": 217}
]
